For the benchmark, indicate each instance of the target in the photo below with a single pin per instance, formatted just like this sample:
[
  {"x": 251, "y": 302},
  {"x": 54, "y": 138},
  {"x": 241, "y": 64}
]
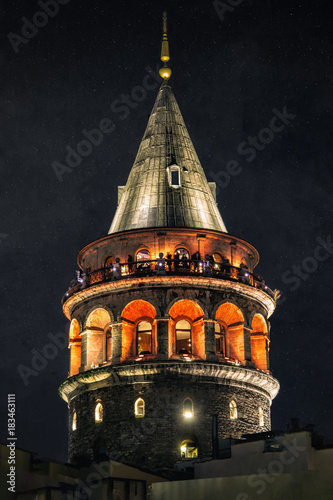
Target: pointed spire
[
  {"x": 167, "y": 186},
  {"x": 165, "y": 72}
]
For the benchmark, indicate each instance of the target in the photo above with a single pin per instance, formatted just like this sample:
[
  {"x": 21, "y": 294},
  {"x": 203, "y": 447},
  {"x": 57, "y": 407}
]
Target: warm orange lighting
[
  {"x": 231, "y": 317},
  {"x": 259, "y": 342},
  {"x": 191, "y": 312},
  {"x": 135, "y": 312},
  {"x": 75, "y": 347}
]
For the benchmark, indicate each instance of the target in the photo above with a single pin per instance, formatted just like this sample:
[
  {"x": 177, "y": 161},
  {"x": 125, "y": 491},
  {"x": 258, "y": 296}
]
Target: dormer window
[{"x": 174, "y": 176}]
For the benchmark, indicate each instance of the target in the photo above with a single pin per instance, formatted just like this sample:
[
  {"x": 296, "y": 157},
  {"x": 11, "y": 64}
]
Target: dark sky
[{"x": 228, "y": 76}]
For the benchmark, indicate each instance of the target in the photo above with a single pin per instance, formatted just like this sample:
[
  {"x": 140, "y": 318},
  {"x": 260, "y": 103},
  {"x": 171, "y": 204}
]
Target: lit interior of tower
[{"x": 169, "y": 318}]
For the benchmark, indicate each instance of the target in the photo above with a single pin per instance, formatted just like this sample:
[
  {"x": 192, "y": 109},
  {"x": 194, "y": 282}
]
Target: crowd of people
[{"x": 181, "y": 262}]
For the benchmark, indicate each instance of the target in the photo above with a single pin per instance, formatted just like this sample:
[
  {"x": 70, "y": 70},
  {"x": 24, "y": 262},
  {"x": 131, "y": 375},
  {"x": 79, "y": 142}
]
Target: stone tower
[{"x": 169, "y": 324}]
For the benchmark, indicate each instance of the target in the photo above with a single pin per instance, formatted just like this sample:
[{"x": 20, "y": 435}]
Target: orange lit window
[
  {"x": 144, "y": 337},
  {"x": 108, "y": 261},
  {"x": 183, "y": 337}
]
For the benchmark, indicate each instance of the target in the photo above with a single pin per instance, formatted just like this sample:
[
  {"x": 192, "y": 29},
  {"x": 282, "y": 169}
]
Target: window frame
[
  {"x": 139, "y": 403},
  {"x": 184, "y": 330},
  {"x": 143, "y": 320}
]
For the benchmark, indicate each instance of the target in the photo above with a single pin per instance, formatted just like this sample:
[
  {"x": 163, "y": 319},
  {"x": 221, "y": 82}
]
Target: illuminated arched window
[
  {"x": 108, "y": 261},
  {"x": 188, "y": 449},
  {"x": 99, "y": 412},
  {"x": 143, "y": 255},
  {"x": 182, "y": 256},
  {"x": 233, "y": 410},
  {"x": 183, "y": 337},
  {"x": 188, "y": 408},
  {"x": 139, "y": 408},
  {"x": 220, "y": 345},
  {"x": 144, "y": 336},
  {"x": 74, "y": 421},
  {"x": 261, "y": 417}
]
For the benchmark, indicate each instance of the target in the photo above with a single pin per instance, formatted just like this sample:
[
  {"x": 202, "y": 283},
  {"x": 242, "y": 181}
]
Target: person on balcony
[
  {"x": 244, "y": 273},
  {"x": 169, "y": 261},
  {"x": 196, "y": 258},
  {"x": 176, "y": 261},
  {"x": 185, "y": 262},
  {"x": 116, "y": 271},
  {"x": 226, "y": 266},
  {"x": 160, "y": 264},
  {"x": 130, "y": 263},
  {"x": 207, "y": 265}
]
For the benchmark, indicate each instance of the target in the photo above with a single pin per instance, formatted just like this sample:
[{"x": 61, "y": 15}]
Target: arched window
[
  {"x": 220, "y": 344},
  {"x": 183, "y": 337},
  {"x": 139, "y": 408},
  {"x": 188, "y": 449},
  {"x": 74, "y": 421},
  {"x": 143, "y": 255},
  {"x": 109, "y": 260},
  {"x": 232, "y": 319},
  {"x": 188, "y": 408},
  {"x": 144, "y": 337},
  {"x": 97, "y": 326},
  {"x": 261, "y": 417},
  {"x": 99, "y": 412},
  {"x": 181, "y": 258},
  {"x": 233, "y": 410}
]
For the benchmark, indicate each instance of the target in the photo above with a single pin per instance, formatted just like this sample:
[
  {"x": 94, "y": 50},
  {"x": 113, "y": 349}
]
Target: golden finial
[{"x": 165, "y": 72}]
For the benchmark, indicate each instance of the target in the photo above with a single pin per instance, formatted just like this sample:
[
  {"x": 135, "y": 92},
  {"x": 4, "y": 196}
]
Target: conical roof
[{"x": 167, "y": 186}]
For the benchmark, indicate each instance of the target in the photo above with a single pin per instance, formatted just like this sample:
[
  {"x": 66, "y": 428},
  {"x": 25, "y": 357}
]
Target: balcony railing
[{"x": 167, "y": 267}]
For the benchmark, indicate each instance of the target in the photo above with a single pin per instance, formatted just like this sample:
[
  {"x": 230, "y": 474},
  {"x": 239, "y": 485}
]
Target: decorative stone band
[
  {"x": 203, "y": 372},
  {"x": 164, "y": 281}
]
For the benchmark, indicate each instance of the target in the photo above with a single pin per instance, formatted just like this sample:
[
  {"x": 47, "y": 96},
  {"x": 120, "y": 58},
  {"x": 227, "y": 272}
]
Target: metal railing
[{"x": 167, "y": 267}]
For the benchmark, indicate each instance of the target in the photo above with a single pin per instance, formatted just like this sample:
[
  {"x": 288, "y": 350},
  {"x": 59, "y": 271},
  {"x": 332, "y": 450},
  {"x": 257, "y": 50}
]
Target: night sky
[{"x": 232, "y": 73}]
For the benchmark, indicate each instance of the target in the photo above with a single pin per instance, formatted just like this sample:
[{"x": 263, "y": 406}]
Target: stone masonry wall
[{"x": 154, "y": 441}]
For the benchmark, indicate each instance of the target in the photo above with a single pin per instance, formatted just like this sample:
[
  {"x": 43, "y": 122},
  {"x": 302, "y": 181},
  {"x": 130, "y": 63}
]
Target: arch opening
[
  {"x": 138, "y": 330},
  {"x": 186, "y": 330},
  {"x": 75, "y": 347},
  {"x": 259, "y": 342},
  {"x": 231, "y": 319},
  {"x": 98, "y": 338},
  {"x": 188, "y": 449}
]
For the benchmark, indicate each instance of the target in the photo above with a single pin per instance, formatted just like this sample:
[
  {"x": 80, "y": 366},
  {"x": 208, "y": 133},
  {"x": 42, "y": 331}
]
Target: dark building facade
[{"x": 169, "y": 323}]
